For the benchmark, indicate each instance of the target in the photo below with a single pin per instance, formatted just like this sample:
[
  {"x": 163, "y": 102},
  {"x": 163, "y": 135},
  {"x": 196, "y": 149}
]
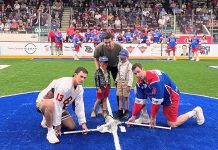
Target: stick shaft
[
  {"x": 79, "y": 131},
  {"x": 146, "y": 125}
]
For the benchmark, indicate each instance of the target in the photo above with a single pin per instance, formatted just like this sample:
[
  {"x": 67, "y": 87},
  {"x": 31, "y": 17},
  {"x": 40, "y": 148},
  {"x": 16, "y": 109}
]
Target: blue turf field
[{"x": 20, "y": 127}]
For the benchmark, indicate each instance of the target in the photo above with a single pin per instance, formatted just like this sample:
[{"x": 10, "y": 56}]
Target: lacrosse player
[
  {"x": 161, "y": 90},
  {"x": 52, "y": 102}
]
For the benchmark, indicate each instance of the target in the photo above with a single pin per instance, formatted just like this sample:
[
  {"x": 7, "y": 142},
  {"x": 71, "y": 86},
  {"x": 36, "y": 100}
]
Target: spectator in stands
[
  {"x": 14, "y": 26},
  {"x": 1, "y": 26},
  {"x": 117, "y": 23},
  {"x": 8, "y": 10},
  {"x": 21, "y": 27},
  {"x": 17, "y": 7},
  {"x": 7, "y": 26}
]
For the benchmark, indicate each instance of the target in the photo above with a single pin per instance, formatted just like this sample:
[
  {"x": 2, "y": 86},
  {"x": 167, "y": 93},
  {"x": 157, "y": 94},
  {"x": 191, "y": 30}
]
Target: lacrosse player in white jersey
[{"x": 52, "y": 102}]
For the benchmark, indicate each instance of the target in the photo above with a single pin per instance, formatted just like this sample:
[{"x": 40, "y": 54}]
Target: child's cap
[
  {"x": 123, "y": 53},
  {"x": 103, "y": 59}
]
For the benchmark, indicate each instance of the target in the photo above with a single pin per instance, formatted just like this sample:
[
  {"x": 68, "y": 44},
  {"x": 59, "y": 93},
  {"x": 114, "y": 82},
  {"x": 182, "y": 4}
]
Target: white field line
[
  {"x": 111, "y": 88},
  {"x": 115, "y": 135},
  {"x": 18, "y": 94}
]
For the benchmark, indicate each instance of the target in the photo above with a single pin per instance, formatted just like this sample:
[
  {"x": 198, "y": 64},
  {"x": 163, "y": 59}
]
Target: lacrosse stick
[
  {"x": 108, "y": 127},
  {"x": 144, "y": 125}
]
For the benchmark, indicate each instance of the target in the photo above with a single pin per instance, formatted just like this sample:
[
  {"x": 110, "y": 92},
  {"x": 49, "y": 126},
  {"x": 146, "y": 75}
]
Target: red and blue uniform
[
  {"x": 120, "y": 38},
  {"x": 157, "y": 37},
  {"x": 171, "y": 43},
  {"x": 88, "y": 36},
  {"x": 195, "y": 42},
  {"x": 58, "y": 38},
  {"x": 161, "y": 90},
  {"x": 128, "y": 37},
  {"x": 77, "y": 42},
  {"x": 144, "y": 37}
]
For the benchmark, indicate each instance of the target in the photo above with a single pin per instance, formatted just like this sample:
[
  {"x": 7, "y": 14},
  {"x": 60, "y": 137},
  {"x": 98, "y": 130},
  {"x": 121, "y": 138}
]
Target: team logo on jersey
[
  {"x": 130, "y": 49},
  {"x": 145, "y": 85},
  {"x": 88, "y": 49},
  {"x": 142, "y": 49}
]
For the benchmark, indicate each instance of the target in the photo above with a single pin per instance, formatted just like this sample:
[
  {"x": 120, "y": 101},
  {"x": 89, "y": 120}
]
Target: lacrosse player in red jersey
[
  {"x": 53, "y": 101},
  {"x": 161, "y": 90}
]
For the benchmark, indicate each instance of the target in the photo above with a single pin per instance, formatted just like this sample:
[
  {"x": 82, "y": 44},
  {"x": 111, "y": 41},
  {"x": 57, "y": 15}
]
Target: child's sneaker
[
  {"x": 199, "y": 115},
  {"x": 126, "y": 114},
  {"x": 119, "y": 114}
]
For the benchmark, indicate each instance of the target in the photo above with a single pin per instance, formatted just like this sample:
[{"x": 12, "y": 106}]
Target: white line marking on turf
[
  {"x": 111, "y": 88},
  {"x": 115, "y": 135},
  {"x": 200, "y": 95},
  {"x": 18, "y": 94}
]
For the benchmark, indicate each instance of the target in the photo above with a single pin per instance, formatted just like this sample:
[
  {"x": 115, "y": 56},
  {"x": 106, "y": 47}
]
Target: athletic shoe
[
  {"x": 144, "y": 118},
  {"x": 126, "y": 114},
  {"x": 174, "y": 58},
  {"x": 51, "y": 137},
  {"x": 119, "y": 114},
  {"x": 43, "y": 123},
  {"x": 197, "y": 59},
  {"x": 93, "y": 114},
  {"x": 192, "y": 59},
  {"x": 100, "y": 111},
  {"x": 199, "y": 115}
]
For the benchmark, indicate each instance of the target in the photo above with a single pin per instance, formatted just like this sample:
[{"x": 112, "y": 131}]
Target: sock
[
  {"x": 50, "y": 129},
  {"x": 191, "y": 113}
]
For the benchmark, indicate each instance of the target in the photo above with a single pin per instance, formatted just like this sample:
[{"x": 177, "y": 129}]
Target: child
[
  {"x": 102, "y": 82},
  {"x": 123, "y": 83}
]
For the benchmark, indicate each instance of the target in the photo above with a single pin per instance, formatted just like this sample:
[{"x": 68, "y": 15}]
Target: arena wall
[{"x": 137, "y": 51}]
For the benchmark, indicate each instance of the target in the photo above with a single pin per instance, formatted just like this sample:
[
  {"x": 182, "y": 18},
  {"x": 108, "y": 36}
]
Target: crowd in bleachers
[
  {"x": 119, "y": 15},
  {"x": 22, "y": 15}
]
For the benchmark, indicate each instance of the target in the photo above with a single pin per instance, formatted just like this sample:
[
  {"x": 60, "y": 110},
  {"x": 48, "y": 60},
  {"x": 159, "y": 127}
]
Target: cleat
[
  {"x": 51, "y": 137},
  {"x": 199, "y": 115},
  {"x": 93, "y": 114}
]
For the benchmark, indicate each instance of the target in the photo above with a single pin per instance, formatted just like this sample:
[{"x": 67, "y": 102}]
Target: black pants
[{"x": 114, "y": 71}]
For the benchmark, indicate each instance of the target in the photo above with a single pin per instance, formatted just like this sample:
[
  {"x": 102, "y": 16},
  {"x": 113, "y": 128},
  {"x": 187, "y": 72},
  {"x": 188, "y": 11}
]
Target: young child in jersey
[
  {"x": 102, "y": 82},
  {"x": 123, "y": 83}
]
